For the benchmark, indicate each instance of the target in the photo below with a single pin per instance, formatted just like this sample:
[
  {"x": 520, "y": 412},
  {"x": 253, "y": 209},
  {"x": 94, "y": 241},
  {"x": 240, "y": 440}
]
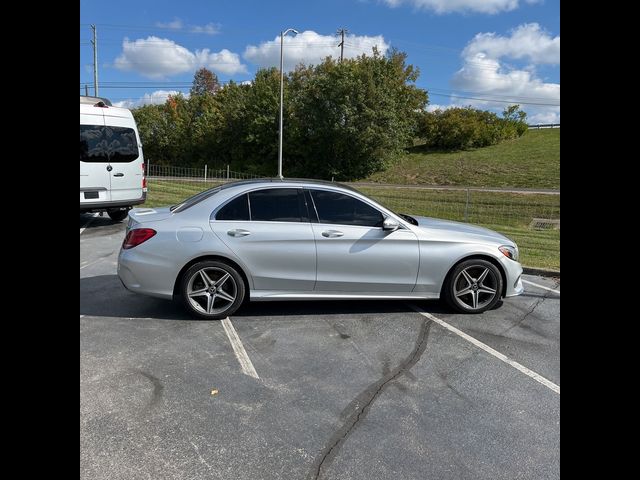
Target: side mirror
[{"x": 390, "y": 224}]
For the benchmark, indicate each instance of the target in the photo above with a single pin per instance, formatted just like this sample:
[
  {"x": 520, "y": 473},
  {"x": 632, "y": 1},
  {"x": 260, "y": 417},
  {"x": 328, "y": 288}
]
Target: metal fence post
[
  {"x": 466, "y": 208},
  {"x": 205, "y": 174},
  {"x": 227, "y": 172}
]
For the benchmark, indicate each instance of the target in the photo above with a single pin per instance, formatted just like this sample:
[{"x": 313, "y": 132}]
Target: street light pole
[{"x": 282, "y": 34}]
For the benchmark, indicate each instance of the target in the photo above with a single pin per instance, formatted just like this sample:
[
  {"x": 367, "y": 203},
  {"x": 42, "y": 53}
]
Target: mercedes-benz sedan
[{"x": 309, "y": 240}]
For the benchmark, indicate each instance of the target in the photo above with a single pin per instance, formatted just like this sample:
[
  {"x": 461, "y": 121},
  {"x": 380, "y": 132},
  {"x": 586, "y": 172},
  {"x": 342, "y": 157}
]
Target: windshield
[{"x": 197, "y": 198}]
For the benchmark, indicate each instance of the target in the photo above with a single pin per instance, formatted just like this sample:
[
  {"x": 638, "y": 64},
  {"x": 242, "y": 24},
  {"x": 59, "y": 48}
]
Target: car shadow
[
  {"x": 88, "y": 222},
  {"x": 105, "y": 296}
]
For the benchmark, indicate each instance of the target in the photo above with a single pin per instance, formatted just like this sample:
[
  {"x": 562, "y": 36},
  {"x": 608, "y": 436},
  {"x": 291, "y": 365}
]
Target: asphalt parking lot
[{"x": 333, "y": 390}]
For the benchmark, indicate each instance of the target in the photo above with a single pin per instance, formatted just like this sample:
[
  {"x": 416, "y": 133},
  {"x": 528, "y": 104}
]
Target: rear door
[
  {"x": 125, "y": 156},
  {"x": 95, "y": 181},
  {"x": 269, "y": 230}
]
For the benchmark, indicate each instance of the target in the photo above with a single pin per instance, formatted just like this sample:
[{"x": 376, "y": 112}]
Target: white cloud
[
  {"x": 155, "y": 98},
  {"x": 432, "y": 107},
  {"x": 527, "y": 41},
  {"x": 208, "y": 29},
  {"x": 224, "y": 61},
  {"x": 487, "y": 77},
  {"x": 158, "y": 58},
  {"x": 551, "y": 115},
  {"x": 484, "y": 75},
  {"x": 310, "y": 47},
  {"x": 177, "y": 24},
  {"x": 462, "y": 6}
]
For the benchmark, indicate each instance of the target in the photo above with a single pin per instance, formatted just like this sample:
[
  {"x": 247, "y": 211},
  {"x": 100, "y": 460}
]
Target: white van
[{"x": 112, "y": 176}]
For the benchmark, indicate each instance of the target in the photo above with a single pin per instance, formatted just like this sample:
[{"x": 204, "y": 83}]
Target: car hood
[{"x": 461, "y": 230}]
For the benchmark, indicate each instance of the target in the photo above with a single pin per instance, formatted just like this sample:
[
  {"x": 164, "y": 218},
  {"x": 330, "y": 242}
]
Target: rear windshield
[
  {"x": 107, "y": 144},
  {"x": 197, "y": 198}
]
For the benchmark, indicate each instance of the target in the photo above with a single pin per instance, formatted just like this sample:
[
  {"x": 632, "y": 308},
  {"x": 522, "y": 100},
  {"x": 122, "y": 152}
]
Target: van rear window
[{"x": 99, "y": 143}]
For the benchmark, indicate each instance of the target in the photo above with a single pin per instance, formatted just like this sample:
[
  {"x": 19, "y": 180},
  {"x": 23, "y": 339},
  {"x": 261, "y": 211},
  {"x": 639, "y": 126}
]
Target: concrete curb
[{"x": 541, "y": 271}]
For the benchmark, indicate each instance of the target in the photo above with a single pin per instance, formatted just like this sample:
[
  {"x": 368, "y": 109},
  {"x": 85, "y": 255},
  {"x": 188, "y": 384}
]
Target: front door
[{"x": 355, "y": 254}]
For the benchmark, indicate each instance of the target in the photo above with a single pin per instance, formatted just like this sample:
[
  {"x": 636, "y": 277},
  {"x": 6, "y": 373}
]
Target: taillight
[{"x": 137, "y": 236}]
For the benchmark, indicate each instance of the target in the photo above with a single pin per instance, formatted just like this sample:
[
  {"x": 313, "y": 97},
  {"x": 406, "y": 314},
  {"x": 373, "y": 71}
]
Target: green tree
[{"x": 349, "y": 119}]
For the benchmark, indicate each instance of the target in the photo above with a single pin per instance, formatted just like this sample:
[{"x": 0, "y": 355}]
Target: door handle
[
  {"x": 118, "y": 174},
  {"x": 332, "y": 233},
  {"x": 238, "y": 232}
]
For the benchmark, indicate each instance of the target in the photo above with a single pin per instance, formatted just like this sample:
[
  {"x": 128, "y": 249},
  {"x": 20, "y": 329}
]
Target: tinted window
[
  {"x": 343, "y": 209},
  {"x": 92, "y": 144},
  {"x": 107, "y": 144},
  {"x": 276, "y": 205},
  {"x": 236, "y": 209}
]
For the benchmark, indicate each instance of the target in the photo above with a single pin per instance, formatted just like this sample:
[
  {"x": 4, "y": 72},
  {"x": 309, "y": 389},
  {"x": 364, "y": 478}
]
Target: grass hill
[{"x": 531, "y": 161}]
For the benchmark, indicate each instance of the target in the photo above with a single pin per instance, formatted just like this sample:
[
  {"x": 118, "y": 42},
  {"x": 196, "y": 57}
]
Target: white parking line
[
  {"x": 88, "y": 222},
  {"x": 91, "y": 263},
  {"x": 537, "y": 377},
  {"x": 541, "y": 286},
  {"x": 238, "y": 349}
]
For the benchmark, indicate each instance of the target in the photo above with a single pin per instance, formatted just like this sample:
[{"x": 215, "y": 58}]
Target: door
[
  {"x": 269, "y": 230},
  {"x": 125, "y": 158},
  {"x": 354, "y": 253},
  {"x": 95, "y": 181}
]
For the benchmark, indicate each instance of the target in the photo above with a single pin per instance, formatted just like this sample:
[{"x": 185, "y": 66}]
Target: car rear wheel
[
  {"x": 473, "y": 286},
  {"x": 212, "y": 290},
  {"x": 117, "y": 215}
]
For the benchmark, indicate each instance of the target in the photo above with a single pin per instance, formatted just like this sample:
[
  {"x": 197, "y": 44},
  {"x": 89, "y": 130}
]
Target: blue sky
[{"x": 485, "y": 53}]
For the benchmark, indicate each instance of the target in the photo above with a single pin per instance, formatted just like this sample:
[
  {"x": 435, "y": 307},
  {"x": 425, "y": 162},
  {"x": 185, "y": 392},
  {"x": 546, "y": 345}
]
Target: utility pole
[
  {"x": 86, "y": 90},
  {"x": 342, "y": 31},
  {"x": 95, "y": 60}
]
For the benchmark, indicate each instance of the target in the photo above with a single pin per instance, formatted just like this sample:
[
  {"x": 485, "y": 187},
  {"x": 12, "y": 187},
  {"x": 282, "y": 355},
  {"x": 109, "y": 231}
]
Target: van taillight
[
  {"x": 144, "y": 179},
  {"x": 137, "y": 236}
]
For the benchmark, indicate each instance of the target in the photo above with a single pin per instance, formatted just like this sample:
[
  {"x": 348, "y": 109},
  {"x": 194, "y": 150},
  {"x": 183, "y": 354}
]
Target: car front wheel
[
  {"x": 473, "y": 286},
  {"x": 212, "y": 290}
]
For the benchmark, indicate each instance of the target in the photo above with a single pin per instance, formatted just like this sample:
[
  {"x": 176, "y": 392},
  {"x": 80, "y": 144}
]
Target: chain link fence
[{"x": 531, "y": 219}]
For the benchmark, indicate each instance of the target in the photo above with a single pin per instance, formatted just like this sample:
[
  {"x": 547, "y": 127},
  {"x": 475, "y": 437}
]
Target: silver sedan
[{"x": 309, "y": 240}]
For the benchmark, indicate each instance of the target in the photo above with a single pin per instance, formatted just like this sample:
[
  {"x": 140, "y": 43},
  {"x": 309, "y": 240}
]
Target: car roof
[{"x": 287, "y": 182}]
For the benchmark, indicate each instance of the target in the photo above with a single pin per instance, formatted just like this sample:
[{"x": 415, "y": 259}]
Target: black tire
[
  {"x": 465, "y": 277},
  {"x": 194, "y": 283},
  {"x": 117, "y": 215}
]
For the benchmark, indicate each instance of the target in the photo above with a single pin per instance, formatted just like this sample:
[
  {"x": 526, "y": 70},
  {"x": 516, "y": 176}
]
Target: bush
[{"x": 464, "y": 128}]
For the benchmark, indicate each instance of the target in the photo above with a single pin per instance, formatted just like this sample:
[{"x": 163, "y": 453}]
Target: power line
[{"x": 493, "y": 100}]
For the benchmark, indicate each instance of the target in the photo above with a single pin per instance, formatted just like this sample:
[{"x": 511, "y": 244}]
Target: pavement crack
[
  {"x": 524, "y": 317},
  {"x": 359, "y": 407}
]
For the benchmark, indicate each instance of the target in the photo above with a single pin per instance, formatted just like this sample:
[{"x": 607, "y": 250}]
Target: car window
[
  {"x": 236, "y": 209},
  {"x": 107, "y": 144},
  {"x": 91, "y": 144},
  {"x": 338, "y": 208},
  {"x": 277, "y": 205}
]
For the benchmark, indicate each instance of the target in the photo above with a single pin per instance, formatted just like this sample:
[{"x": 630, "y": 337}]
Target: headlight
[{"x": 510, "y": 251}]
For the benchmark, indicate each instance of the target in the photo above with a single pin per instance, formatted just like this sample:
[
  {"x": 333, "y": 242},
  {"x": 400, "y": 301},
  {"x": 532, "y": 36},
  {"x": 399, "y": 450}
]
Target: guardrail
[{"x": 544, "y": 125}]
